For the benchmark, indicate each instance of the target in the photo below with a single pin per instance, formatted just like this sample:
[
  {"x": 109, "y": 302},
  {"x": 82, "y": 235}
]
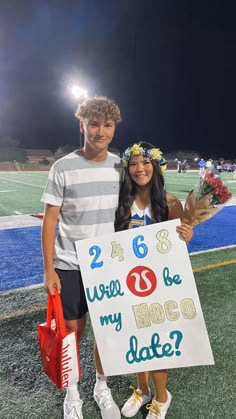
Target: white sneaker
[
  {"x": 73, "y": 407},
  {"x": 135, "y": 402},
  {"x": 104, "y": 399},
  {"x": 158, "y": 410}
]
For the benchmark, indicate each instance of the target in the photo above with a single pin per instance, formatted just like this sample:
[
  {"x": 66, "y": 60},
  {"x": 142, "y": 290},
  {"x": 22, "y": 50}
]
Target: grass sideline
[
  {"x": 17, "y": 187},
  {"x": 198, "y": 392}
]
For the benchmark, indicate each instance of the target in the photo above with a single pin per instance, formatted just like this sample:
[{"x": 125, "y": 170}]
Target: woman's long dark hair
[{"x": 159, "y": 207}]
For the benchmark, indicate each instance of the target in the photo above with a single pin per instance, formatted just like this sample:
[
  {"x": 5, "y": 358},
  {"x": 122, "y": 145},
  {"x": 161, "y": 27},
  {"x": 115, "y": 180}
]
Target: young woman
[{"x": 143, "y": 200}]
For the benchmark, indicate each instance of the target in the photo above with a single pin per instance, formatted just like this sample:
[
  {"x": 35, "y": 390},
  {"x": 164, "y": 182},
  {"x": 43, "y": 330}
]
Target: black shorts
[{"x": 72, "y": 294}]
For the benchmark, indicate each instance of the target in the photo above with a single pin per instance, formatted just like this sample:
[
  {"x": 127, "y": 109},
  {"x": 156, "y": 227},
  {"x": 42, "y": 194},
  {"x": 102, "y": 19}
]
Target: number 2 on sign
[{"x": 96, "y": 252}]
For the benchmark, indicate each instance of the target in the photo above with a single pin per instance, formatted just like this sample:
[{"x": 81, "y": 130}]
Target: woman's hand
[{"x": 186, "y": 231}]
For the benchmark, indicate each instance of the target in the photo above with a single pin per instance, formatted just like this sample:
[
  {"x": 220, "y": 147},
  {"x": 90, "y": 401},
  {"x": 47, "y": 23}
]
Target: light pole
[{"x": 79, "y": 94}]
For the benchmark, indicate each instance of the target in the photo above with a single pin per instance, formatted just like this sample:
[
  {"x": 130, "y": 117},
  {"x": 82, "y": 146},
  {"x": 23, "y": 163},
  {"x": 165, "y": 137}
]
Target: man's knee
[{"x": 78, "y": 325}]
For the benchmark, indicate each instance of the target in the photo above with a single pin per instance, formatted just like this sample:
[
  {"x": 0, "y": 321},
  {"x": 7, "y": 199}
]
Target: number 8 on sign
[{"x": 141, "y": 281}]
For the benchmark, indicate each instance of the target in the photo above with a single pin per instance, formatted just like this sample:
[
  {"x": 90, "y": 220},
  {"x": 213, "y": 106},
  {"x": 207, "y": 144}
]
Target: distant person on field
[
  {"x": 214, "y": 168},
  {"x": 179, "y": 167},
  {"x": 184, "y": 167},
  {"x": 209, "y": 166},
  {"x": 234, "y": 171},
  {"x": 82, "y": 190},
  {"x": 202, "y": 166}
]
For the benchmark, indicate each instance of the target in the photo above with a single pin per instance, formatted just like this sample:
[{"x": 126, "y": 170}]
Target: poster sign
[{"x": 143, "y": 301}]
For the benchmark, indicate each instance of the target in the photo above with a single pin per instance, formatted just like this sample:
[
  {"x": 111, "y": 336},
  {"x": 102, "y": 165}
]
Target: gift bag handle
[{"x": 54, "y": 307}]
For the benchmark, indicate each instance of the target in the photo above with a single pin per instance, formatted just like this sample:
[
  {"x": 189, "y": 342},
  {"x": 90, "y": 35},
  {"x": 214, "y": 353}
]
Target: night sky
[{"x": 169, "y": 64}]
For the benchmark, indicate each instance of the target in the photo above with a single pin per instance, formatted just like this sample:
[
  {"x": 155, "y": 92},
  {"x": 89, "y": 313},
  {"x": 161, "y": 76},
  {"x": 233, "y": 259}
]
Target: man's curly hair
[{"x": 100, "y": 107}]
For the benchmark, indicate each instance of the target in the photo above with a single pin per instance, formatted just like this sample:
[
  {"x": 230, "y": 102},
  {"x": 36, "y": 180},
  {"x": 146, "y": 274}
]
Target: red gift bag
[{"x": 59, "y": 348}]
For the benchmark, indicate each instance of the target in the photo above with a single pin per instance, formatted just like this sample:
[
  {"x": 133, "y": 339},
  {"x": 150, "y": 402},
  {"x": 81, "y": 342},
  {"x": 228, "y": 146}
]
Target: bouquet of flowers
[{"x": 205, "y": 200}]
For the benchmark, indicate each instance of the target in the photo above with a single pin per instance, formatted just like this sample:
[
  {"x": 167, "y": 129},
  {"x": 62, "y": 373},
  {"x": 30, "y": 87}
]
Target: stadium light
[{"x": 79, "y": 93}]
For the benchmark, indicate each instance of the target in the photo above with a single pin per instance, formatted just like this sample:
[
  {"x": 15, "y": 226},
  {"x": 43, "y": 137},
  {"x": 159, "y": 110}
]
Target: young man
[{"x": 82, "y": 191}]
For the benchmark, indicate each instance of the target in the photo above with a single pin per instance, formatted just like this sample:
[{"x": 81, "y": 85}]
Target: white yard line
[
  {"x": 4, "y": 207},
  {"x": 16, "y": 290},
  {"x": 23, "y": 183},
  {"x": 19, "y": 221},
  {"x": 10, "y": 190},
  {"x": 212, "y": 250}
]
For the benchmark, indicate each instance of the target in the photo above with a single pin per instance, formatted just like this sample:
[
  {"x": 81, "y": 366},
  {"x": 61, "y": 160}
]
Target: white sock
[
  {"x": 146, "y": 395},
  {"x": 101, "y": 382},
  {"x": 72, "y": 392}
]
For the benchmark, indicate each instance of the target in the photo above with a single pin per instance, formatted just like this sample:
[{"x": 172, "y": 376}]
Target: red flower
[{"x": 201, "y": 203}]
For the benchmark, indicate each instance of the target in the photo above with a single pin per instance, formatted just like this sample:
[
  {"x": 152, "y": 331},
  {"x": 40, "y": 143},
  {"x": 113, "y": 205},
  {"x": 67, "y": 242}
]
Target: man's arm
[{"x": 51, "y": 279}]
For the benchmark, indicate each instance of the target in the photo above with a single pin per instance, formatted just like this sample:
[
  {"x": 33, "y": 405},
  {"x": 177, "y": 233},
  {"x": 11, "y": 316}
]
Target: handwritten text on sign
[{"x": 143, "y": 300}]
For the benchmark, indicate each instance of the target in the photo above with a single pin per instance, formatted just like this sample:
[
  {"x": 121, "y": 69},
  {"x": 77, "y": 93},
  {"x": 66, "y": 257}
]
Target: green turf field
[
  {"x": 20, "y": 192},
  {"x": 198, "y": 392}
]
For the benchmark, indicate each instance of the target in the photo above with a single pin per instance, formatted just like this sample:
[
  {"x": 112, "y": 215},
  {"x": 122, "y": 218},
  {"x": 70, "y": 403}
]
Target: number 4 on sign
[{"x": 117, "y": 251}]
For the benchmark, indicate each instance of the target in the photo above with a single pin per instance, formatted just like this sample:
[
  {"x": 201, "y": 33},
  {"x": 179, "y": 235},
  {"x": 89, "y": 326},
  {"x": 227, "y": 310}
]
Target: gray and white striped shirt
[{"x": 87, "y": 193}]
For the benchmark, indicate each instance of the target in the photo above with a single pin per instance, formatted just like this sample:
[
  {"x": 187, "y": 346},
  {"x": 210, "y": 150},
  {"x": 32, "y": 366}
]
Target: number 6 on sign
[{"x": 140, "y": 249}]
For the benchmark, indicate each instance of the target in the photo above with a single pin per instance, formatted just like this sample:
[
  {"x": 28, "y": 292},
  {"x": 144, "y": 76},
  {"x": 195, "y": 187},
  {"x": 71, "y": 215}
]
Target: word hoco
[{"x": 156, "y": 313}]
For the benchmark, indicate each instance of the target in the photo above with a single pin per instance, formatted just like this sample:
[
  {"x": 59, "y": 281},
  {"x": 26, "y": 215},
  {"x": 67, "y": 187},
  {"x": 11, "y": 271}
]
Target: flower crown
[{"x": 137, "y": 150}]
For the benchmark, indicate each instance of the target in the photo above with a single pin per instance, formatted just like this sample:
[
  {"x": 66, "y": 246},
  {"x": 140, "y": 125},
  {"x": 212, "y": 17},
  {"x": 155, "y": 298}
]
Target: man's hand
[{"x": 51, "y": 281}]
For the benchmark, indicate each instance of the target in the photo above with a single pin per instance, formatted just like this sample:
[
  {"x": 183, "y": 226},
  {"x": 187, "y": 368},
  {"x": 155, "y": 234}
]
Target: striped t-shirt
[{"x": 87, "y": 193}]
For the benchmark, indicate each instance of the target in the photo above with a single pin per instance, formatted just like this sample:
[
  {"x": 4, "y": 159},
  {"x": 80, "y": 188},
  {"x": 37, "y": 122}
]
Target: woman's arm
[{"x": 176, "y": 211}]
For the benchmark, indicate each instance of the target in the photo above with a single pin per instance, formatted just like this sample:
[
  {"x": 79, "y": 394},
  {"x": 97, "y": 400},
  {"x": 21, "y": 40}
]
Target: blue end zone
[
  {"x": 217, "y": 232},
  {"x": 21, "y": 257}
]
